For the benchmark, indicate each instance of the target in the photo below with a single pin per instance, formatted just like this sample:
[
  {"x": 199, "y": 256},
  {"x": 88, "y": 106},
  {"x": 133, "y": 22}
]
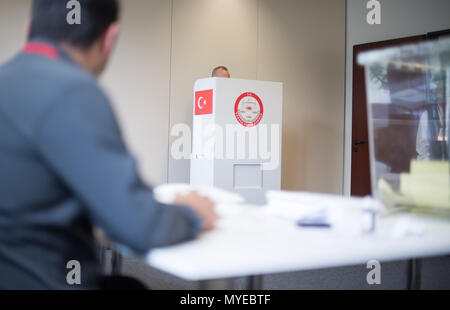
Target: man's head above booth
[{"x": 221, "y": 72}]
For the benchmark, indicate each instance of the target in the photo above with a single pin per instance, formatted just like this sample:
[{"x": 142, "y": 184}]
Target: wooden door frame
[{"x": 360, "y": 184}]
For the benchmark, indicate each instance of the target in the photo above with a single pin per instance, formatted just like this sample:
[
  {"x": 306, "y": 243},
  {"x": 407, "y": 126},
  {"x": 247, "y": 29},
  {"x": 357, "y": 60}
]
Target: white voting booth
[{"x": 236, "y": 142}]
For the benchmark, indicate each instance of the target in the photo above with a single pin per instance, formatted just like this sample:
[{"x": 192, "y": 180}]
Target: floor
[{"x": 394, "y": 276}]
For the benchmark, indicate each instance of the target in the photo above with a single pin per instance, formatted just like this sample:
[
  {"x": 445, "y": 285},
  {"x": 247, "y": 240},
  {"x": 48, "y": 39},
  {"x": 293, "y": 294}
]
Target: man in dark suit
[{"x": 64, "y": 167}]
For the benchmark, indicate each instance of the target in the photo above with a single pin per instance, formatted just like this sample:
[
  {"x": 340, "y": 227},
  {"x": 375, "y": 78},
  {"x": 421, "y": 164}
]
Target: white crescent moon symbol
[{"x": 200, "y": 106}]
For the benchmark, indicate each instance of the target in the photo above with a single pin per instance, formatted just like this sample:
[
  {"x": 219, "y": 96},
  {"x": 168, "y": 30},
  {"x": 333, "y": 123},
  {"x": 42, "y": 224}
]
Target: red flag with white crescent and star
[{"x": 204, "y": 102}]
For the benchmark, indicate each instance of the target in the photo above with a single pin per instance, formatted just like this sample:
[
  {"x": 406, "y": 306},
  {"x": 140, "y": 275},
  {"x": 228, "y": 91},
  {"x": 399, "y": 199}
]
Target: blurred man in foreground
[{"x": 64, "y": 165}]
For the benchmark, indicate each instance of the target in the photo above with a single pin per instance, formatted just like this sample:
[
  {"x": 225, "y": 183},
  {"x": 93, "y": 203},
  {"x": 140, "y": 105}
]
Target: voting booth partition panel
[{"x": 237, "y": 132}]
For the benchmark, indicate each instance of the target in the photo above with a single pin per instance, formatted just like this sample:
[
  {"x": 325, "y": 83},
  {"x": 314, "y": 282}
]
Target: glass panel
[{"x": 408, "y": 95}]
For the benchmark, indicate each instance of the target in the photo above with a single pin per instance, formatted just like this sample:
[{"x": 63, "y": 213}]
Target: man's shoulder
[
  {"x": 42, "y": 76},
  {"x": 32, "y": 86}
]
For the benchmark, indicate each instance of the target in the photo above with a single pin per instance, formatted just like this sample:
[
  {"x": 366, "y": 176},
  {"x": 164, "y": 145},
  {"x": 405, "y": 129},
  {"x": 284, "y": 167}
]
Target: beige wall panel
[
  {"x": 302, "y": 44},
  {"x": 137, "y": 79},
  {"x": 206, "y": 34},
  {"x": 150, "y": 79},
  {"x": 14, "y": 15},
  {"x": 138, "y": 83}
]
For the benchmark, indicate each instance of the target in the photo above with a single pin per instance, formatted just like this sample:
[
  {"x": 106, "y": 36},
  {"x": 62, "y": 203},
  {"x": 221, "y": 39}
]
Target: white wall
[
  {"x": 206, "y": 34},
  {"x": 138, "y": 82},
  {"x": 399, "y": 18},
  {"x": 166, "y": 45},
  {"x": 302, "y": 44},
  {"x": 13, "y": 19},
  {"x": 298, "y": 42}
]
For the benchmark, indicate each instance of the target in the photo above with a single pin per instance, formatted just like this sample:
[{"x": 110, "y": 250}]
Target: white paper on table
[
  {"x": 322, "y": 200},
  {"x": 342, "y": 213}
]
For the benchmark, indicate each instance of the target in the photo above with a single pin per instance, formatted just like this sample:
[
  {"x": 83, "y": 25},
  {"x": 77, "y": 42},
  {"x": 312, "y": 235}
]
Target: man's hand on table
[{"x": 203, "y": 206}]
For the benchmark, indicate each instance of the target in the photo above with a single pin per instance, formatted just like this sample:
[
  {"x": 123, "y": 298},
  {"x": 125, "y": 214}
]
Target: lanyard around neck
[{"x": 42, "y": 49}]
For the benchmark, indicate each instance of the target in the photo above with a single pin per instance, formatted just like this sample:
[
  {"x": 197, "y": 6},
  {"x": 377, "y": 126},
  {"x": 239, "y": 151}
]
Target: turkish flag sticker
[{"x": 204, "y": 102}]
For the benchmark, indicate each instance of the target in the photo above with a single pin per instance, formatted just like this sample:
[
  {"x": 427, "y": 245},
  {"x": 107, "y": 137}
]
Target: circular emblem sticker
[{"x": 249, "y": 109}]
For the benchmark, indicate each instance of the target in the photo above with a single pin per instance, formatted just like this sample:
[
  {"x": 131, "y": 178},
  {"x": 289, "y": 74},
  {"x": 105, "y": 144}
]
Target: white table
[{"x": 249, "y": 243}]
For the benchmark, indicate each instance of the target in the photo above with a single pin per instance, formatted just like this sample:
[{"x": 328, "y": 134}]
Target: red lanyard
[{"x": 43, "y": 49}]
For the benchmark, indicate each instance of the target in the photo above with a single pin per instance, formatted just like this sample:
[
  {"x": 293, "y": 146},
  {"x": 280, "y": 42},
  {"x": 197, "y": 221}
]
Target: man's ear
[
  {"x": 110, "y": 39},
  {"x": 27, "y": 28}
]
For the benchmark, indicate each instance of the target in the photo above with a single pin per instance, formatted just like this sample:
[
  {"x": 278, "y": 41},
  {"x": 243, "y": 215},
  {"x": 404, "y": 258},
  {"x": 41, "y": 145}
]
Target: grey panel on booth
[{"x": 248, "y": 176}]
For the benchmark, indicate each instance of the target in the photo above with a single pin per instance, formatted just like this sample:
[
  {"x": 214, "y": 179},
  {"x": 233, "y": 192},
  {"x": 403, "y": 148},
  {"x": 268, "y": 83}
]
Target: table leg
[
  {"x": 216, "y": 284},
  {"x": 116, "y": 263},
  {"x": 255, "y": 283},
  {"x": 414, "y": 274}
]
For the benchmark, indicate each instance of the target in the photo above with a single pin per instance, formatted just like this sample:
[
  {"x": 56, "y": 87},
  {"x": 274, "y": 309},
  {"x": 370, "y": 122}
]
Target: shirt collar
[{"x": 47, "y": 48}]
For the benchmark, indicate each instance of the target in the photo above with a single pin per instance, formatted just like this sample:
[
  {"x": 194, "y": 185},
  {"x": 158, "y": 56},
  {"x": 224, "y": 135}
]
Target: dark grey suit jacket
[{"x": 64, "y": 168}]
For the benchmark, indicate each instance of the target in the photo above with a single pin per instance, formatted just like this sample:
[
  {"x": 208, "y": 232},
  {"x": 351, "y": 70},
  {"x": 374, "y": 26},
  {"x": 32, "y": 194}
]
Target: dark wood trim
[{"x": 360, "y": 164}]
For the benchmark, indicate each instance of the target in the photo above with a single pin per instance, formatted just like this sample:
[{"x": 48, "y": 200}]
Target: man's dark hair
[
  {"x": 49, "y": 21},
  {"x": 219, "y": 68}
]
